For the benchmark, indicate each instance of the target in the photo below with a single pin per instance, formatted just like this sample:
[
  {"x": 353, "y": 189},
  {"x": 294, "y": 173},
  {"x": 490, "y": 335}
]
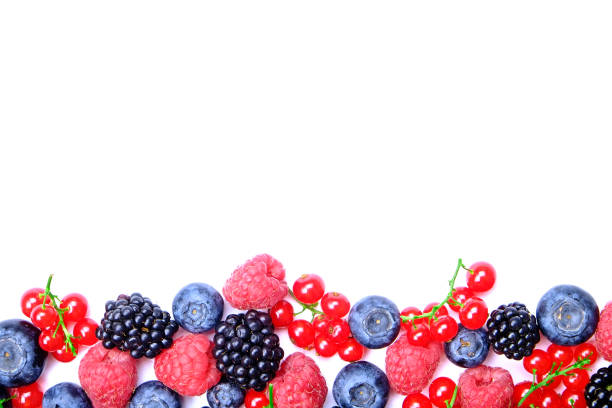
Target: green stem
[
  {"x": 305, "y": 306},
  {"x": 2, "y": 401},
  {"x": 452, "y": 401},
  {"x": 578, "y": 365},
  {"x": 270, "y": 396},
  {"x": 448, "y": 299},
  {"x": 55, "y": 303}
]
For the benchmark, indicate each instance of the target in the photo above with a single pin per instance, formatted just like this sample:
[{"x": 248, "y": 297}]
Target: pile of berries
[
  {"x": 328, "y": 332},
  {"x": 55, "y": 316},
  {"x": 435, "y": 323}
]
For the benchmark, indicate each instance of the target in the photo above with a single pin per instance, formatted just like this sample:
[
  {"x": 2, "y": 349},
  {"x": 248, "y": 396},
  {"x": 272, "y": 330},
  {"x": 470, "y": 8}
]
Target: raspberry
[
  {"x": 410, "y": 368},
  {"x": 188, "y": 367},
  {"x": 603, "y": 335},
  {"x": 108, "y": 377},
  {"x": 258, "y": 284},
  {"x": 485, "y": 387},
  {"x": 299, "y": 383}
]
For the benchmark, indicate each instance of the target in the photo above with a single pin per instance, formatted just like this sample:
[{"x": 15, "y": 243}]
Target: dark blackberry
[
  {"x": 135, "y": 324},
  {"x": 247, "y": 350},
  {"x": 598, "y": 392},
  {"x": 513, "y": 331}
]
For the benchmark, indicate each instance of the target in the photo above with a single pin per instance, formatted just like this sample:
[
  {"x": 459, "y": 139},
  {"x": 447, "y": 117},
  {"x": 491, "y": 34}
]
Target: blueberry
[
  {"x": 225, "y": 395},
  {"x": 4, "y": 396},
  {"x": 374, "y": 321},
  {"x": 21, "y": 358},
  {"x": 469, "y": 348},
  {"x": 197, "y": 307},
  {"x": 567, "y": 315},
  {"x": 154, "y": 394},
  {"x": 66, "y": 395},
  {"x": 362, "y": 385}
]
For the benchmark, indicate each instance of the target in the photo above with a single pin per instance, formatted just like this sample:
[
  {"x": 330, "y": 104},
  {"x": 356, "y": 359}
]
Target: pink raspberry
[
  {"x": 410, "y": 368},
  {"x": 603, "y": 334},
  {"x": 299, "y": 383},
  {"x": 188, "y": 366},
  {"x": 258, "y": 284},
  {"x": 485, "y": 387},
  {"x": 108, "y": 377}
]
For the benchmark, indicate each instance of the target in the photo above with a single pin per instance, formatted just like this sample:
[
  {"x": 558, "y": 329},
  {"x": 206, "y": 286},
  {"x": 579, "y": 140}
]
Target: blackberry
[
  {"x": 135, "y": 324},
  {"x": 598, "y": 392},
  {"x": 513, "y": 331},
  {"x": 247, "y": 350}
]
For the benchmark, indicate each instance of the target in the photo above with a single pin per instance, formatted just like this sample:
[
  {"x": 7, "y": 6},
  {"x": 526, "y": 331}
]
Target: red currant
[
  {"x": 442, "y": 311},
  {"x": 335, "y": 304},
  {"x": 474, "y": 314},
  {"x": 338, "y": 331},
  {"x": 418, "y": 334},
  {"x": 577, "y": 380},
  {"x": 324, "y": 346},
  {"x": 281, "y": 314},
  {"x": 586, "y": 350},
  {"x": 549, "y": 399},
  {"x": 84, "y": 332},
  {"x": 410, "y": 312},
  {"x": 416, "y": 401},
  {"x": 65, "y": 355},
  {"x": 50, "y": 342},
  {"x": 28, "y": 396},
  {"x": 539, "y": 360},
  {"x": 30, "y": 299},
  {"x": 321, "y": 323},
  {"x": 309, "y": 289},
  {"x": 351, "y": 350},
  {"x": 443, "y": 329},
  {"x": 573, "y": 399},
  {"x": 460, "y": 295},
  {"x": 255, "y": 399},
  {"x": 521, "y": 389},
  {"x": 44, "y": 318},
  {"x": 561, "y": 355},
  {"x": 482, "y": 277},
  {"x": 441, "y": 390},
  {"x": 76, "y": 305},
  {"x": 301, "y": 333}
]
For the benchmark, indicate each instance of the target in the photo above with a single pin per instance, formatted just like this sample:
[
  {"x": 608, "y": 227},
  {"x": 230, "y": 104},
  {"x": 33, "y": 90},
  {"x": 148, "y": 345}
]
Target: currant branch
[
  {"x": 305, "y": 306},
  {"x": 55, "y": 303},
  {"x": 448, "y": 299},
  {"x": 451, "y": 403},
  {"x": 554, "y": 372},
  {"x": 270, "y": 396}
]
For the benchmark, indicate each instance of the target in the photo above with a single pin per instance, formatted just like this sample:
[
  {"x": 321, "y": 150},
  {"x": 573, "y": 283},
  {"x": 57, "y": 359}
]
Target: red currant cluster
[
  {"x": 327, "y": 331},
  {"x": 53, "y": 315},
  {"x": 442, "y": 394},
  {"x": 552, "y": 367},
  {"x": 435, "y": 323}
]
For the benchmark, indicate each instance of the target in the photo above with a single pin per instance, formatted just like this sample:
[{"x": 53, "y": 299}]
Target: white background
[{"x": 146, "y": 145}]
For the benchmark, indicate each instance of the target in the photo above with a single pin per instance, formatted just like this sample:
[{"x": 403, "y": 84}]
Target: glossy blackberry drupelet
[
  {"x": 513, "y": 331},
  {"x": 361, "y": 384},
  {"x": 598, "y": 392},
  {"x": 374, "y": 321},
  {"x": 225, "y": 395},
  {"x": 247, "y": 350},
  {"x": 135, "y": 324},
  {"x": 66, "y": 395},
  {"x": 21, "y": 358},
  {"x": 152, "y": 394},
  {"x": 469, "y": 348},
  {"x": 567, "y": 315},
  {"x": 4, "y": 396}
]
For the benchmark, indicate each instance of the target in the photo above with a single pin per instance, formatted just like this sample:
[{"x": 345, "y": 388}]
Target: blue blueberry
[
  {"x": 362, "y": 385},
  {"x": 21, "y": 358},
  {"x": 374, "y": 321},
  {"x": 154, "y": 394},
  {"x": 4, "y": 396},
  {"x": 66, "y": 395},
  {"x": 567, "y": 315},
  {"x": 197, "y": 307},
  {"x": 469, "y": 348},
  {"x": 225, "y": 395}
]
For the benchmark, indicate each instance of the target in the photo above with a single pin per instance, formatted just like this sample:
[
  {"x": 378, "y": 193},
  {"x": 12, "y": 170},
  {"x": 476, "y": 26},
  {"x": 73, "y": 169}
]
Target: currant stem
[
  {"x": 55, "y": 302},
  {"x": 305, "y": 306},
  {"x": 578, "y": 365},
  {"x": 270, "y": 396},
  {"x": 452, "y": 400},
  {"x": 2, "y": 401},
  {"x": 449, "y": 298}
]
